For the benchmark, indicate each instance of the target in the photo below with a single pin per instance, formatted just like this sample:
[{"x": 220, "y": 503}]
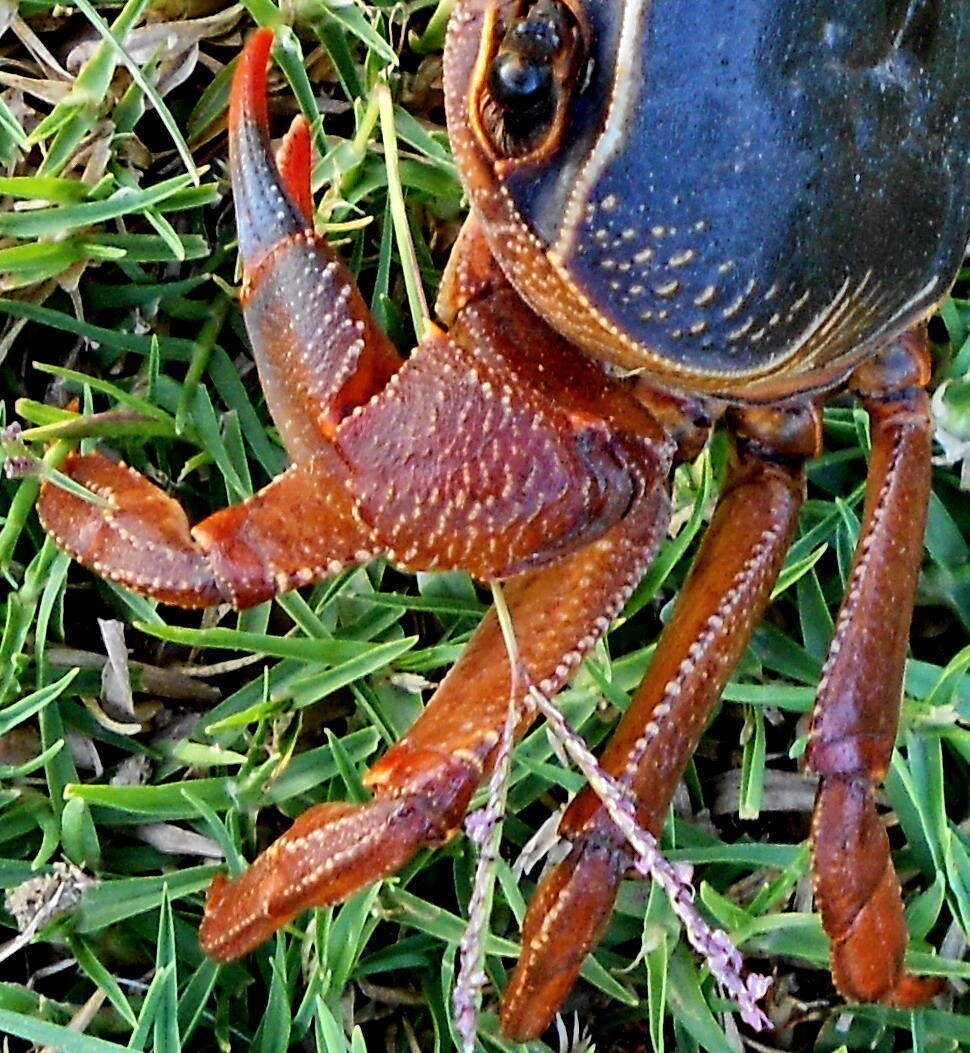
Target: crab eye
[
  {"x": 529, "y": 77},
  {"x": 520, "y": 83}
]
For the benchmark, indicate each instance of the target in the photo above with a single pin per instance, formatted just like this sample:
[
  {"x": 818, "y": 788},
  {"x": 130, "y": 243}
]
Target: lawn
[{"x": 142, "y": 747}]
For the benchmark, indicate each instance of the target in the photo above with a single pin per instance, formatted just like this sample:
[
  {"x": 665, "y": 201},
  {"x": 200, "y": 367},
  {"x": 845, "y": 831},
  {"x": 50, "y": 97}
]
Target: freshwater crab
[{"x": 682, "y": 212}]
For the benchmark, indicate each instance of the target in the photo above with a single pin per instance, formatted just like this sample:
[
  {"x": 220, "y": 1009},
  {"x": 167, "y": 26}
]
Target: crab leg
[
  {"x": 857, "y": 709},
  {"x": 718, "y": 608},
  {"x": 422, "y": 786},
  {"x": 313, "y": 374}
]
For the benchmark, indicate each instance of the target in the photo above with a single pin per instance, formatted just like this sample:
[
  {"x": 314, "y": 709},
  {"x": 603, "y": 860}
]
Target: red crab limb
[
  {"x": 716, "y": 612},
  {"x": 857, "y": 709},
  {"x": 300, "y": 528},
  {"x": 423, "y": 785},
  {"x": 242, "y": 555},
  {"x": 517, "y": 448},
  {"x": 483, "y": 430}
]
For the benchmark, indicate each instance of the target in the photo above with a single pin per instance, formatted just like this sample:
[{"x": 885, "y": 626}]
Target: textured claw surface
[
  {"x": 142, "y": 542},
  {"x": 522, "y": 449},
  {"x": 319, "y": 352},
  {"x": 260, "y": 548}
]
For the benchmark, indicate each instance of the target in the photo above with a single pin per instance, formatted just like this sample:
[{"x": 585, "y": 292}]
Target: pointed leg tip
[
  {"x": 912, "y": 991},
  {"x": 530, "y": 1006},
  {"x": 330, "y": 852},
  {"x": 566, "y": 918}
]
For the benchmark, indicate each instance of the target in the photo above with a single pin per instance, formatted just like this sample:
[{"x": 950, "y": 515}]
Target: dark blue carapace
[{"x": 747, "y": 185}]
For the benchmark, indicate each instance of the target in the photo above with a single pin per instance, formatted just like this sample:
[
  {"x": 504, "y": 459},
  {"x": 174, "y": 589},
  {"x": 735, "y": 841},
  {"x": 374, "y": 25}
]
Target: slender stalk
[
  {"x": 405, "y": 246},
  {"x": 201, "y": 353},
  {"x": 484, "y": 828}
]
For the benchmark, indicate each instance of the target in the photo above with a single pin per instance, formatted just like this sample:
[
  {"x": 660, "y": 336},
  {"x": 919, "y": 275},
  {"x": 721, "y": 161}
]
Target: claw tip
[{"x": 248, "y": 97}]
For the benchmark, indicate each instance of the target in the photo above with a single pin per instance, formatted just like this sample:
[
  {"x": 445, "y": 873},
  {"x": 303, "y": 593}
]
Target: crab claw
[
  {"x": 319, "y": 352},
  {"x": 272, "y": 200}
]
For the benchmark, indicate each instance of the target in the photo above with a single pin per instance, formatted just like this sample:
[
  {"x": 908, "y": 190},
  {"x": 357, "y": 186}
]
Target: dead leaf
[{"x": 115, "y": 676}]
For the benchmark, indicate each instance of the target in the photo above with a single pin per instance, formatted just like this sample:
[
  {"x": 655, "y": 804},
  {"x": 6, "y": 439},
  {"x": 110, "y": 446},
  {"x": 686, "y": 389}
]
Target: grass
[{"x": 120, "y": 326}]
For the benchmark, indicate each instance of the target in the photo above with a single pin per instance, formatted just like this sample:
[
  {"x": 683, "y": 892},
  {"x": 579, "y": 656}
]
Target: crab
[{"x": 683, "y": 213}]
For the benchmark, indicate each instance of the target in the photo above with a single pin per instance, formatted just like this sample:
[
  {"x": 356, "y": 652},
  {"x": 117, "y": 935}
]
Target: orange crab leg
[
  {"x": 716, "y": 612},
  {"x": 423, "y": 784},
  {"x": 241, "y": 555},
  {"x": 144, "y": 543},
  {"x": 857, "y": 709}
]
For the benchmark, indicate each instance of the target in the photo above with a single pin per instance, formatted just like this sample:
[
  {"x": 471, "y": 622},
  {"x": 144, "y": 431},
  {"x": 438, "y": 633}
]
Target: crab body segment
[{"x": 683, "y": 212}]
